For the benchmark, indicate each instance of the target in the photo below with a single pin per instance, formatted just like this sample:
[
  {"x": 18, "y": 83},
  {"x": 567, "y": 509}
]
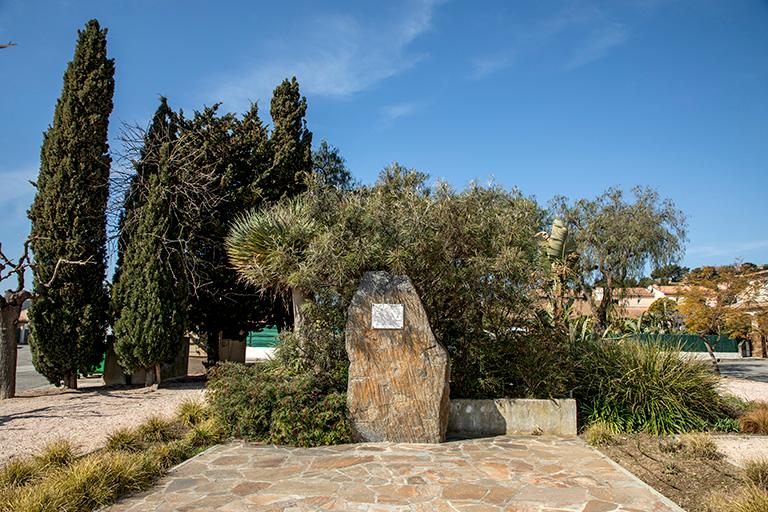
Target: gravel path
[
  {"x": 85, "y": 416},
  {"x": 740, "y": 447},
  {"x": 746, "y": 389}
]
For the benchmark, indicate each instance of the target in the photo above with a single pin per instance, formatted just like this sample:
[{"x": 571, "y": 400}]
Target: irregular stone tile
[
  {"x": 544, "y": 474},
  {"x": 600, "y": 506},
  {"x": 464, "y": 491}
]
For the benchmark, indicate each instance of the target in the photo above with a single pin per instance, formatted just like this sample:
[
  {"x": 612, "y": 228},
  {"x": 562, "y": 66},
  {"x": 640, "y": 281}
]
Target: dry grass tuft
[
  {"x": 599, "y": 433},
  {"x": 750, "y": 499},
  {"x": 124, "y": 439},
  {"x": 192, "y": 412},
  {"x": 756, "y": 472},
  {"x": 755, "y": 420},
  {"x": 156, "y": 429},
  {"x": 700, "y": 445}
]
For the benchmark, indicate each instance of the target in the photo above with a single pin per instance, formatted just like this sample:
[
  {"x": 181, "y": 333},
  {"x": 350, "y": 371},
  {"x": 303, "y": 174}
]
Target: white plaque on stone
[{"x": 386, "y": 316}]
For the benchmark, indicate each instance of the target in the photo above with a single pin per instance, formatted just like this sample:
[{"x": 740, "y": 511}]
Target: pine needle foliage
[{"x": 68, "y": 321}]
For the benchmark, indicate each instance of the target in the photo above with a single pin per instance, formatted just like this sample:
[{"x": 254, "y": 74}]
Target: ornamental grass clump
[
  {"x": 749, "y": 499},
  {"x": 756, "y": 472},
  {"x": 700, "y": 445},
  {"x": 644, "y": 387},
  {"x": 755, "y": 419},
  {"x": 58, "y": 479}
]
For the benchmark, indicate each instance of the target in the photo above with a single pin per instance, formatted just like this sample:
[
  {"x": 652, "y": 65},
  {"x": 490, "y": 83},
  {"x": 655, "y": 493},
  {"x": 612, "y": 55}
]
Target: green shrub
[
  {"x": 756, "y": 471},
  {"x": 269, "y": 404},
  {"x": 535, "y": 362},
  {"x": 599, "y": 433},
  {"x": 726, "y": 425},
  {"x": 643, "y": 387},
  {"x": 755, "y": 419}
]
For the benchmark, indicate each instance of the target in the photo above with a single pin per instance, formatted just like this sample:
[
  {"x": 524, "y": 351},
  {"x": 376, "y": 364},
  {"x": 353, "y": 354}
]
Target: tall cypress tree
[
  {"x": 68, "y": 322},
  {"x": 163, "y": 129},
  {"x": 151, "y": 323},
  {"x": 290, "y": 143}
]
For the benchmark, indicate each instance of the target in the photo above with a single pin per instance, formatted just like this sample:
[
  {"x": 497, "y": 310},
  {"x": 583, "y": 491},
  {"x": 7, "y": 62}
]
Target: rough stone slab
[
  {"x": 398, "y": 387},
  {"x": 513, "y": 416},
  {"x": 522, "y": 473}
]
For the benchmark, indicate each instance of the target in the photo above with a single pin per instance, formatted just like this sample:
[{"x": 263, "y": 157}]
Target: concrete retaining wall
[{"x": 518, "y": 416}]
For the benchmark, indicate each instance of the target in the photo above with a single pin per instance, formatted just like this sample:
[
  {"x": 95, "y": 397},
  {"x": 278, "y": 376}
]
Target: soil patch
[{"x": 687, "y": 480}]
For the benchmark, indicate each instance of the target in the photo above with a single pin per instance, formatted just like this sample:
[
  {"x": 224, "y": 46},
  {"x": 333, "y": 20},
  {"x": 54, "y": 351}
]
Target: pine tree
[
  {"x": 290, "y": 144},
  {"x": 152, "y": 321},
  {"x": 68, "y": 321},
  {"x": 226, "y": 306}
]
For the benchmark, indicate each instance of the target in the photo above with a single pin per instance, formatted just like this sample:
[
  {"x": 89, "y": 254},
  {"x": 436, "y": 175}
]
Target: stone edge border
[{"x": 667, "y": 501}]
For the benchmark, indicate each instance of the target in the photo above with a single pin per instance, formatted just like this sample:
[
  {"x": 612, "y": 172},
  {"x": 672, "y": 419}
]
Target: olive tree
[{"x": 472, "y": 255}]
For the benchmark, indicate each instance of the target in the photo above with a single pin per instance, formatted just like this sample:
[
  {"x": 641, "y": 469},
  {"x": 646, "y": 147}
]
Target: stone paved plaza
[{"x": 502, "y": 473}]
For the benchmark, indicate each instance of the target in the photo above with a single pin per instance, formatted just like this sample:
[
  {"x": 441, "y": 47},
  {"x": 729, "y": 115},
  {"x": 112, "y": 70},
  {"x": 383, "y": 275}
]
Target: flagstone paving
[{"x": 494, "y": 474}]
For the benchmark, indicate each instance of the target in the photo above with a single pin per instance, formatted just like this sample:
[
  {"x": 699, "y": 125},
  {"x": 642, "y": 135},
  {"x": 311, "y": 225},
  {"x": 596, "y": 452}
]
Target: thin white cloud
[
  {"x": 339, "y": 56},
  {"x": 598, "y": 45},
  {"x": 485, "y": 66},
  {"x": 391, "y": 113},
  {"x": 589, "y": 31},
  {"x": 734, "y": 250},
  {"x": 16, "y": 185}
]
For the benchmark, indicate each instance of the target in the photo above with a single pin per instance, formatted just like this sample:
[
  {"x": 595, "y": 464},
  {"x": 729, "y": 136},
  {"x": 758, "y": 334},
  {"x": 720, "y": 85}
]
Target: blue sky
[{"x": 553, "y": 97}]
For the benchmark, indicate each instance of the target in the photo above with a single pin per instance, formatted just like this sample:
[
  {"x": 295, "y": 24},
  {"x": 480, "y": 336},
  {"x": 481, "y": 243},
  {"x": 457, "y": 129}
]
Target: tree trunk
[
  {"x": 601, "y": 314},
  {"x": 212, "y": 347},
  {"x": 299, "y": 298},
  {"x": 152, "y": 376},
  {"x": 70, "y": 381},
  {"x": 711, "y": 351},
  {"x": 9, "y": 317}
]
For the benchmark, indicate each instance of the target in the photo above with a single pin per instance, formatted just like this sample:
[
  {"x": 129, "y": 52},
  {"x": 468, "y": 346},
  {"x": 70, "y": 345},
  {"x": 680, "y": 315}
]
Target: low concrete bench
[{"x": 512, "y": 416}]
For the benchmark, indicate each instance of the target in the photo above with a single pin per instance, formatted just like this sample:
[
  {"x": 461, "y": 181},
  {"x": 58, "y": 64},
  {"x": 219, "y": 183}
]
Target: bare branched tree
[{"x": 11, "y": 304}]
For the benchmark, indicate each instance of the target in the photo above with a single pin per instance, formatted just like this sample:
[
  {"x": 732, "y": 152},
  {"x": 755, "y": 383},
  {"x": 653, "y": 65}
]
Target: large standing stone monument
[{"x": 398, "y": 374}]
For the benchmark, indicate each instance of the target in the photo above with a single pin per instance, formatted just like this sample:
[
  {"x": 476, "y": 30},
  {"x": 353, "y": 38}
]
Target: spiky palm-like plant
[{"x": 267, "y": 248}]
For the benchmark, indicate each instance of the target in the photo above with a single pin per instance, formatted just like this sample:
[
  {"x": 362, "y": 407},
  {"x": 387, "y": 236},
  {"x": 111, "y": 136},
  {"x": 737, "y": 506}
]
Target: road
[
  {"x": 749, "y": 368},
  {"x": 26, "y": 376}
]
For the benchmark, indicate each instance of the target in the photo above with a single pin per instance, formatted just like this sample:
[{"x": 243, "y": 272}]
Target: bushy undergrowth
[
  {"x": 270, "y": 404},
  {"x": 535, "y": 362},
  {"x": 642, "y": 387},
  {"x": 58, "y": 480}
]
